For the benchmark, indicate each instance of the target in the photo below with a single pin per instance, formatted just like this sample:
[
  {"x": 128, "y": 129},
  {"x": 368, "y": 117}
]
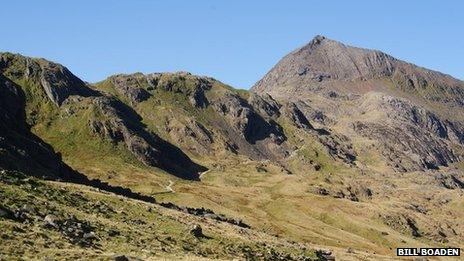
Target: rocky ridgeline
[
  {"x": 23, "y": 151},
  {"x": 57, "y": 81},
  {"x": 247, "y": 126},
  {"x": 138, "y": 87},
  {"x": 325, "y": 60}
]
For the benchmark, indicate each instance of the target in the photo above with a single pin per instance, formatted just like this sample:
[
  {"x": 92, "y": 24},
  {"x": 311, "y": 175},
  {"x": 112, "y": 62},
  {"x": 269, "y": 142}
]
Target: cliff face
[
  {"x": 158, "y": 118},
  {"x": 324, "y": 87},
  {"x": 57, "y": 81}
]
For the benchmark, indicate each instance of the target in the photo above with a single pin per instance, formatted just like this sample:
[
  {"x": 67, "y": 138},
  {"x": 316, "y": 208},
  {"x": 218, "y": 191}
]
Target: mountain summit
[
  {"x": 324, "y": 60},
  {"x": 413, "y": 114}
]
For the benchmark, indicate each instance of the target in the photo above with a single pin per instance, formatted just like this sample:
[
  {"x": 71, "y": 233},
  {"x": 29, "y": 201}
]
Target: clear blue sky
[{"x": 236, "y": 42}]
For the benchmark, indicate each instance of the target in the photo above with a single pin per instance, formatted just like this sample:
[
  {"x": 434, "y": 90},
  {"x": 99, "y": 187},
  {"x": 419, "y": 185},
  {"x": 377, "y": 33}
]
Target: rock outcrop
[
  {"x": 265, "y": 105},
  {"x": 411, "y": 137},
  {"x": 122, "y": 124},
  {"x": 244, "y": 119},
  {"x": 132, "y": 87},
  {"x": 297, "y": 117},
  {"x": 191, "y": 135},
  {"x": 56, "y": 80},
  {"x": 138, "y": 87}
]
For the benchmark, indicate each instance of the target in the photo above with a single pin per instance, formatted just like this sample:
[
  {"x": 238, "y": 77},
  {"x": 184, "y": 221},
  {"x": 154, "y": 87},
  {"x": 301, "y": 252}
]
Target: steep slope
[
  {"x": 324, "y": 60},
  {"x": 58, "y": 104},
  {"x": 19, "y": 148},
  {"x": 199, "y": 113},
  {"x": 413, "y": 115}
]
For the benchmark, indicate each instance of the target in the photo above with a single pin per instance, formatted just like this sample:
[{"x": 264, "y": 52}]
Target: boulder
[
  {"x": 51, "y": 220},
  {"x": 6, "y": 213},
  {"x": 196, "y": 231}
]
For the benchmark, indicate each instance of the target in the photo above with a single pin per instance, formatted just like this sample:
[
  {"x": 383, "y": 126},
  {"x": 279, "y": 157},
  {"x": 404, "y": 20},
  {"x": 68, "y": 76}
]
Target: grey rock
[
  {"x": 245, "y": 120},
  {"x": 131, "y": 87},
  {"x": 451, "y": 180},
  {"x": 121, "y": 258},
  {"x": 51, "y": 220},
  {"x": 124, "y": 124},
  {"x": 56, "y": 80},
  {"x": 264, "y": 104},
  {"x": 292, "y": 111}
]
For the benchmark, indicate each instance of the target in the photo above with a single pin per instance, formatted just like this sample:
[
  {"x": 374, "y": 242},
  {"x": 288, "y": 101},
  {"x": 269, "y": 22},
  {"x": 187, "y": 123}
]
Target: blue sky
[{"x": 236, "y": 42}]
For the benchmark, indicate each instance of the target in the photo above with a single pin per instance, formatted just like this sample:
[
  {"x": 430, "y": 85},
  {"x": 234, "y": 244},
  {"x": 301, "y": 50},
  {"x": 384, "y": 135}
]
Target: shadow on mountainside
[
  {"x": 23, "y": 151},
  {"x": 147, "y": 146}
]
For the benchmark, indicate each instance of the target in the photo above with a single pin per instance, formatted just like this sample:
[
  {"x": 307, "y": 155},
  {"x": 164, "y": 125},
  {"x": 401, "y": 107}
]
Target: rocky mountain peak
[
  {"x": 317, "y": 41},
  {"x": 327, "y": 64},
  {"x": 328, "y": 74},
  {"x": 323, "y": 59}
]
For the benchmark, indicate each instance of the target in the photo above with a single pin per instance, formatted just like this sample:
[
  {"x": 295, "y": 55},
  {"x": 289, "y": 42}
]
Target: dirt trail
[{"x": 169, "y": 187}]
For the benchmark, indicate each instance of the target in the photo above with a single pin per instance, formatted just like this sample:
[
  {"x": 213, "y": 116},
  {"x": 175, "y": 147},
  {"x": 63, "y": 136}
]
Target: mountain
[
  {"x": 59, "y": 103},
  {"x": 327, "y": 62},
  {"x": 337, "y": 149},
  {"x": 412, "y": 115}
]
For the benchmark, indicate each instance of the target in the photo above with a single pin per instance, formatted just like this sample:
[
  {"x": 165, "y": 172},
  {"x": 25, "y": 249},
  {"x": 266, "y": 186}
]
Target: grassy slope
[
  {"x": 66, "y": 129},
  {"x": 143, "y": 230}
]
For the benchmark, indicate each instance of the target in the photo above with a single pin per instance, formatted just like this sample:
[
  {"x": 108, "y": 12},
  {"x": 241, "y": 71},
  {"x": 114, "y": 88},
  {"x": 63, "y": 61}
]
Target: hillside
[
  {"x": 337, "y": 148},
  {"x": 66, "y": 221}
]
